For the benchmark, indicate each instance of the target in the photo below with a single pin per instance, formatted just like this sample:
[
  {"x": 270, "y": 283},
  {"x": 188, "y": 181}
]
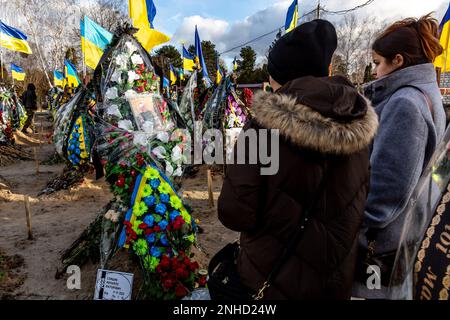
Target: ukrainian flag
[
  {"x": 219, "y": 75},
  {"x": 94, "y": 40},
  {"x": 188, "y": 60},
  {"x": 443, "y": 61},
  {"x": 17, "y": 72},
  {"x": 173, "y": 76},
  {"x": 142, "y": 13},
  {"x": 235, "y": 64},
  {"x": 166, "y": 83},
  {"x": 292, "y": 17},
  {"x": 58, "y": 79},
  {"x": 200, "y": 59},
  {"x": 13, "y": 39},
  {"x": 72, "y": 79},
  {"x": 181, "y": 74}
]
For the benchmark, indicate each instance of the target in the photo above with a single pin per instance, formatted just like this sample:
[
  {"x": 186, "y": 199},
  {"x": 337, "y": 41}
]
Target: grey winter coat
[{"x": 412, "y": 124}]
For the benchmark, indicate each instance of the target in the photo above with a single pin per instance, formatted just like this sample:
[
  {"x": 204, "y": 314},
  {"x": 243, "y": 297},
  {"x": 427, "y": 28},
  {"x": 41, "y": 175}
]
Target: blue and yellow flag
[
  {"x": 58, "y": 79},
  {"x": 235, "y": 64},
  {"x": 443, "y": 61},
  {"x": 17, "y": 72},
  {"x": 292, "y": 17},
  {"x": 71, "y": 76},
  {"x": 13, "y": 39},
  {"x": 142, "y": 13},
  {"x": 181, "y": 74},
  {"x": 219, "y": 75},
  {"x": 199, "y": 59},
  {"x": 94, "y": 40},
  {"x": 166, "y": 83},
  {"x": 188, "y": 60},
  {"x": 173, "y": 76}
]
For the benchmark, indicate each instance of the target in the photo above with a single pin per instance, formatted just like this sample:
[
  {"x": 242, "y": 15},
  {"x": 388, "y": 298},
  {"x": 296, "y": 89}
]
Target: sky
[
  {"x": 233, "y": 22},
  {"x": 230, "y": 23}
]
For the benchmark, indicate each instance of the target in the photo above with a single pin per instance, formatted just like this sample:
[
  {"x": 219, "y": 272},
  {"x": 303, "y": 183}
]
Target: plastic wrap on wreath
[
  {"x": 130, "y": 90},
  {"x": 168, "y": 149},
  {"x": 62, "y": 123},
  {"x": 187, "y": 105},
  {"x": 420, "y": 209},
  {"x": 236, "y": 114},
  {"x": 214, "y": 111}
]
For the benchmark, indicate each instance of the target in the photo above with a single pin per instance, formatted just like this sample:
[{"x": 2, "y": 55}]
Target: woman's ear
[{"x": 398, "y": 61}]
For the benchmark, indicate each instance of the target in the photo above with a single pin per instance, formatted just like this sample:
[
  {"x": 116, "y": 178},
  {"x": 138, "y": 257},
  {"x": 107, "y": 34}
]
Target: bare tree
[{"x": 355, "y": 38}]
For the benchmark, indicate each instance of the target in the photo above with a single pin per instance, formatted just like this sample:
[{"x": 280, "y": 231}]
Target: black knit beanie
[{"x": 305, "y": 51}]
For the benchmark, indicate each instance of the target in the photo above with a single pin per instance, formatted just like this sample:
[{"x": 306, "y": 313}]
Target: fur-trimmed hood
[{"x": 330, "y": 117}]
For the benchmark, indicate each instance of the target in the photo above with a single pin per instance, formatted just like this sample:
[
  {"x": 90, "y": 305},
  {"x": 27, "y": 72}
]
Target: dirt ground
[{"x": 28, "y": 267}]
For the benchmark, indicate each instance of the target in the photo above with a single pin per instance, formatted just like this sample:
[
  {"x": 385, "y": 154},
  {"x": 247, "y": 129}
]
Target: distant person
[
  {"x": 408, "y": 102},
  {"x": 29, "y": 100},
  {"x": 325, "y": 128}
]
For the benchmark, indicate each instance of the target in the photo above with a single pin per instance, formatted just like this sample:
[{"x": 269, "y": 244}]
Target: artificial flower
[
  {"x": 147, "y": 191},
  {"x": 140, "y": 209},
  {"x": 175, "y": 202},
  {"x": 149, "y": 220},
  {"x": 186, "y": 216},
  {"x": 164, "y": 198},
  {"x": 163, "y": 224},
  {"x": 130, "y": 47},
  {"x": 151, "y": 238},
  {"x": 151, "y": 173},
  {"x": 140, "y": 247},
  {"x": 132, "y": 76},
  {"x": 155, "y": 183},
  {"x": 164, "y": 188},
  {"x": 135, "y": 227},
  {"x": 136, "y": 59},
  {"x": 155, "y": 252},
  {"x": 164, "y": 240},
  {"x": 150, "y": 201},
  {"x": 161, "y": 209},
  {"x": 173, "y": 215}
]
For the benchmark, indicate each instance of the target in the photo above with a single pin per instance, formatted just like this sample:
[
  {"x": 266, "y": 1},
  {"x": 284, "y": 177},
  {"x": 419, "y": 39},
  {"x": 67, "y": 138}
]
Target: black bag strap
[{"x": 296, "y": 237}]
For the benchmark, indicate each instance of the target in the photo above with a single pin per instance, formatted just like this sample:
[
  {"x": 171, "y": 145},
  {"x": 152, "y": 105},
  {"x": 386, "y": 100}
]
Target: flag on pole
[
  {"x": 13, "y": 39},
  {"x": 173, "y": 76},
  {"x": 17, "y": 72},
  {"x": 94, "y": 40},
  {"x": 292, "y": 17},
  {"x": 181, "y": 74},
  {"x": 166, "y": 83},
  {"x": 235, "y": 64},
  {"x": 219, "y": 75},
  {"x": 58, "y": 79},
  {"x": 443, "y": 61},
  {"x": 142, "y": 13},
  {"x": 199, "y": 59},
  {"x": 188, "y": 60},
  {"x": 71, "y": 74}
]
